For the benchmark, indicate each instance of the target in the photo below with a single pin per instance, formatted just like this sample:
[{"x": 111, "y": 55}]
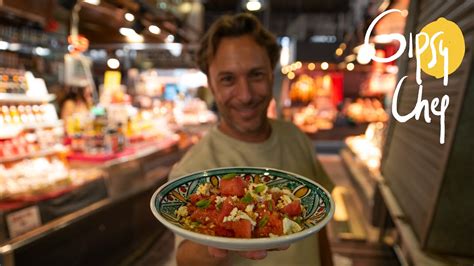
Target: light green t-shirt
[{"x": 287, "y": 149}]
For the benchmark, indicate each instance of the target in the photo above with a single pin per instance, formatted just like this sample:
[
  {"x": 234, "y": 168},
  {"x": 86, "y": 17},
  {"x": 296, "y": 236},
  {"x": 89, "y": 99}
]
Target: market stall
[
  {"x": 52, "y": 185},
  {"x": 67, "y": 178}
]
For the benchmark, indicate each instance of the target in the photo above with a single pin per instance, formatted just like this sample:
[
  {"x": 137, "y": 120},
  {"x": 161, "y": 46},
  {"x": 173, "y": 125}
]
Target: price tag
[{"x": 22, "y": 221}]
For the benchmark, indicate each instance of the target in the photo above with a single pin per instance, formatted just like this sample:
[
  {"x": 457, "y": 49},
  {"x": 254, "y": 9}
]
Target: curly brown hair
[{"x": 235, "y": 26}]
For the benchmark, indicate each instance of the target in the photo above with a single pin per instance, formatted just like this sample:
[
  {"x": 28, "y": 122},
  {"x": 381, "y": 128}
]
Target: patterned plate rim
[{"x": 155, "y": 202}]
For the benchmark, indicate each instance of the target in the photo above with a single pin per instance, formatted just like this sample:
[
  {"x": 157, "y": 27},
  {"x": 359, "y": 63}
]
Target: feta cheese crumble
[
  {"x": 203, "y": 189},
  {"x": 283, "y": 201},
  {"x": 236, "y": 215},
  {"x": 290, "y": 226},
  {"x": 182, "y": 211}
]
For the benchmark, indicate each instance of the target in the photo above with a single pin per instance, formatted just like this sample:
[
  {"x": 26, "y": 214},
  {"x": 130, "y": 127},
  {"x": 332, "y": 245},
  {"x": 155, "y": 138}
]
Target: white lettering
[
  {"x": 396, "y": 36},
  {"x": 444, "y": 52},
  {"x": 442, "y": 114},
  {"x": 410, "y": 48},
  {"x": 433, "y": 61},
  {"x": 422, "y": 104},
  {"x": 418, "y": 51},
  {"x": 400, "y": 118}
]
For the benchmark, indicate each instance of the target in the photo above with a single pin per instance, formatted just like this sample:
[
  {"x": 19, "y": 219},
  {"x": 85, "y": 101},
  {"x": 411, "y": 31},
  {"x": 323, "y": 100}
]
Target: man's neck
[{"x": 258, "y": 136}]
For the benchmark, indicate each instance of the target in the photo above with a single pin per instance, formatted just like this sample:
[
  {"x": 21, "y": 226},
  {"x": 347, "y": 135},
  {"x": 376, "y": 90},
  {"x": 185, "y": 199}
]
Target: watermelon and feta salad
[{"x": 241, "y": 209}]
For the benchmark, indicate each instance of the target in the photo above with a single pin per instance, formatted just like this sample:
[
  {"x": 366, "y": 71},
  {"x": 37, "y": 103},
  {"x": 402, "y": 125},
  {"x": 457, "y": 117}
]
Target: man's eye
[
  {"x": 227, "y": 79},
  {"x": 257, "y": 75}
]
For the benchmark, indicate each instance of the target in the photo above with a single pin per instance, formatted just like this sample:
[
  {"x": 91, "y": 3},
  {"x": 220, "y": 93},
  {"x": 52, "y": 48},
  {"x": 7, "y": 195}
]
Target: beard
[{"x": 247, "y": 120}]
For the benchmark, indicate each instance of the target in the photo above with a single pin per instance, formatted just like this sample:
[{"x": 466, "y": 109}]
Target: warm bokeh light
[
  {"x": 154, "y": 29},
  {"x": 253, "y": 5},
  {"x": 92, "y": 2},
  {"x": 127, "y": 31},
  {"x": 298, "y": 64},
  {"x": 311, "y": 66},
  {"x": 350, "y": 58},
  {"x": 324, "y": 65},
  {"x": 365, "y": 53},
  {"x": 129, "y": 17},
  {"x": 291, "y": 75},
  {"x": 169, "y": 38},
  {"x": 137, "y": 38},
  {"x": 339, "y": 51},
  {"x": 113, "y": 63},
  {"x": 350, "y": 66}
]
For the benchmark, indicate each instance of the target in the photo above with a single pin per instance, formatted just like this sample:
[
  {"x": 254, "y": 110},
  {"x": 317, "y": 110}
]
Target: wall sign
[{"x": 439, "y": 50}]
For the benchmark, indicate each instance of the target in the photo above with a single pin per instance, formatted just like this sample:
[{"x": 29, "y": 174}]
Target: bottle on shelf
[
  {"x": 121, "y": 139},
  {"x": 23, "y": 115},
  {"x": 30, "y": 115},
  {"x": 14, "y": 115},
  {"x": 37, "y": 113},
  {"x": 5, "y": 83},
  {"x": 6, "y": 114}
]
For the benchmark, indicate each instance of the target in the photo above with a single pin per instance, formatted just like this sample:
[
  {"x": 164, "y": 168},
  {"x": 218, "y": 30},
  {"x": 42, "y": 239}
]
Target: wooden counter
[{"x": 102, "y": 232}]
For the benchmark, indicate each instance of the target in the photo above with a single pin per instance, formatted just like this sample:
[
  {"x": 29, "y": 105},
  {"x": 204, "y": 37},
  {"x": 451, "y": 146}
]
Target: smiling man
[
  {"x": 238, "y": 56},
  {"x": 241, "y": 79}
]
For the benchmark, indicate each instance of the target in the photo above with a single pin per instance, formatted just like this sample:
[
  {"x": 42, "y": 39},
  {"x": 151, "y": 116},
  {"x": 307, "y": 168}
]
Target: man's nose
[{"x": 244, "y": 91}]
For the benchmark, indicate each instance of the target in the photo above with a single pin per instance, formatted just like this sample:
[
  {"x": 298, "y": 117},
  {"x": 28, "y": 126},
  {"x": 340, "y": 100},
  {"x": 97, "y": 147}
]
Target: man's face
[{"x": 241, "y": 78}]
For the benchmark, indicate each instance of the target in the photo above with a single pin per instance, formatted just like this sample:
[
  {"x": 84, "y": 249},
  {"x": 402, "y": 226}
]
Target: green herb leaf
[
  {"x": 247, "y": 198},
  {"x": 204, "y": 203},
  {"x": 263, "y": 221},
  {"x": 298, "y": 220},
  {"x": 270, "y": 205},
  {"x": 195, "y": 223},
  {"x": 228, "y": 176},
  {"x": 259, "y": 188},
  {"x": 219, "y": 206}
]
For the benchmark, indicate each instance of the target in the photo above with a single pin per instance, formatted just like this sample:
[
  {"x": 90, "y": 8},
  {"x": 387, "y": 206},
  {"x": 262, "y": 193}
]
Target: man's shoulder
[
  {"x": 195, "y": 159},
  {"x": 286, "y": 128}
]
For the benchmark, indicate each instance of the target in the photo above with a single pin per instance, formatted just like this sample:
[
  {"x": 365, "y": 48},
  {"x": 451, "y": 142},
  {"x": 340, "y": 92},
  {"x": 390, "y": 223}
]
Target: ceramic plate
[{"x": 315, "y": 199}]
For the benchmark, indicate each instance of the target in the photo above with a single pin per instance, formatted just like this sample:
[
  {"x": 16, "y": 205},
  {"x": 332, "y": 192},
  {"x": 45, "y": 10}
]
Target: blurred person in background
[
  {"x": 75, "y": 100},
  {"x": 238, "y": 56}
]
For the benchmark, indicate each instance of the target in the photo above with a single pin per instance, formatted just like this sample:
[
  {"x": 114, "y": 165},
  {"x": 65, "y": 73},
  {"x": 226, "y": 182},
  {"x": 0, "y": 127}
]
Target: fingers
[
  {"x": 253, "y": 255},
  {"x": 216, "y": 252}
]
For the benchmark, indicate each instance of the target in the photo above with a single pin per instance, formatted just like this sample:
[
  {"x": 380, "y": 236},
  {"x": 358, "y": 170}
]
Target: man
[{"x": 238, "y": 56}]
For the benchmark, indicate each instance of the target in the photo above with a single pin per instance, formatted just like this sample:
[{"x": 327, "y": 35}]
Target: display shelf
[
  {"x": 23, "y": 98},
  {"x": 126, "y": 188},
  {"x": 42, "y": 153},
  {"x": 129, "y": 154},
  {"x": 41, "y": 125}
]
